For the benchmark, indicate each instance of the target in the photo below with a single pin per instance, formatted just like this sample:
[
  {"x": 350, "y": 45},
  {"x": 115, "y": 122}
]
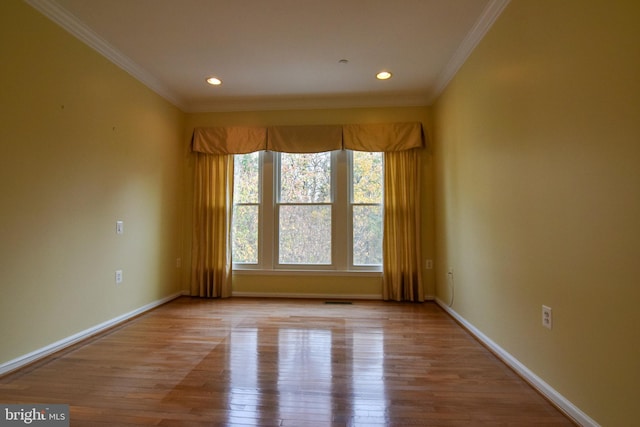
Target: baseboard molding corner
[
  {"x": 26, "y": 359},
  {"x": 536, "y": 382}
]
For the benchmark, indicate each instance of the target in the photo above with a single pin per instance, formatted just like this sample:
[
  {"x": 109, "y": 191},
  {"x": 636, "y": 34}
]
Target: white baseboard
[
  {"x": 307, "y": 295},
  {"x": 26, "y": 359},
  {"x": 536, "y": 382},
  {"x": 316, "y": 296}
]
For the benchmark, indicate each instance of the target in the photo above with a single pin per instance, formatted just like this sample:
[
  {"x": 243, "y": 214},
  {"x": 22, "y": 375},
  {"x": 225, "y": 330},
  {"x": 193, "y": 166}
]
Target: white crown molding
[
  {"x": 535, "y": 381},
  {"x": 475, "y": 35},
  {"x": 73, "y": 25}
]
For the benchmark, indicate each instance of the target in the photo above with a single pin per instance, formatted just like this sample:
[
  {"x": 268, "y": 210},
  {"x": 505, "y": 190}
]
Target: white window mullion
[
  {"x": 268, "y": 221},
  {"x": 341, "y": 222}
]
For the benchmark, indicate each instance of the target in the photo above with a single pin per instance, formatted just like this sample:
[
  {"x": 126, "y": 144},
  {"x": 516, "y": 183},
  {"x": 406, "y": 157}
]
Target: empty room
[{"x": 301, "y": 213}]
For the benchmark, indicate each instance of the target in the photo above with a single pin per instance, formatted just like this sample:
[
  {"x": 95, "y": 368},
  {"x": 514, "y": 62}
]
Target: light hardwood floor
[{"x": 271, "y": 362}]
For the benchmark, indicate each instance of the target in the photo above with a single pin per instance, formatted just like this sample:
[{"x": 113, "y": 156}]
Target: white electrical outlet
[
  {"x": 178, "y": 262},
  {"x": 119, "y": 227},
  {"x": 547, "y": 318},
  {"x": 429, "y": 264},
  {"x": 118, "y": 277}
]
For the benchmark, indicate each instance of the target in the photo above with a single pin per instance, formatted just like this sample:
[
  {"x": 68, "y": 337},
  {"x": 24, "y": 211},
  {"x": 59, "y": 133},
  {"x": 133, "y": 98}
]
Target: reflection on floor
[{"x": 272, "y": 362}]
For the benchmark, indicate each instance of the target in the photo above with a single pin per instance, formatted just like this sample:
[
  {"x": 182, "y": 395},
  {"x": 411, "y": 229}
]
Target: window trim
[
  {"x": 350, "y": 204},
  {"x": 341, "y": 230},
  {"x": 276, "y": 265}
]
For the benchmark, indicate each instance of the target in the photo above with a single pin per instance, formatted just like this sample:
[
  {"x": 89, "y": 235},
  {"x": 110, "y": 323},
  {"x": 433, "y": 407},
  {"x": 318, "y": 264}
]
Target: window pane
[
  {"x": 367, "y": 235},
  {"x": 367, "y": 177},
  {"x": 246, "y": 178},
  {"x": 245, "y": 234},
  {"x": 305, "y": 234},
  {"x": 305, "y": 178}
]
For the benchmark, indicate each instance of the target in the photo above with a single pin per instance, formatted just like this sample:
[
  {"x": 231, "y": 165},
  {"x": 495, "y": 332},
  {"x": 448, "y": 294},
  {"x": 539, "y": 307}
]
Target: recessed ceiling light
[
  {"x": 383, "y": 75},
  {"x": 343, "y": 61},
  {"x": 214, "y": 81}
]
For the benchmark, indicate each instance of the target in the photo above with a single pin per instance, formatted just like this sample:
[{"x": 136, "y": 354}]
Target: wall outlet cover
[{"x": 547, "y": 317}]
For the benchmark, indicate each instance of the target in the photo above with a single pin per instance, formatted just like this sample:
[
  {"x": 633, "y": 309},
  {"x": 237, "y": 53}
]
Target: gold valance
[
  {"x": 382, "y": 137},
  {"x": 229, "y": 139},
  {"x": 304, "y": 139}
]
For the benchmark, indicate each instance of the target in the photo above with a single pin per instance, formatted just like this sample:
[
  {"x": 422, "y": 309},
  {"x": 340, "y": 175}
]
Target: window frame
[
  {"x": 260, "y": 205},
  {"x": 276, "y": 186},
  {"x": 350, "y": 205},
  {"x": 341, "y": 221}
]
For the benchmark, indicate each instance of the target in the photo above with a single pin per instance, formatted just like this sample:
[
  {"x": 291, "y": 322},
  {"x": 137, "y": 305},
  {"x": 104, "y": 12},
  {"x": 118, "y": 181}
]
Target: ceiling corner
[
  {"x": 489, "y": 15},
  {"x": 75, "y": 27}
]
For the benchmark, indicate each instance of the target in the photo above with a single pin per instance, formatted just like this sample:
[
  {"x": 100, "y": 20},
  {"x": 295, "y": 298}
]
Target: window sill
[{"x": 333, "y": 273}]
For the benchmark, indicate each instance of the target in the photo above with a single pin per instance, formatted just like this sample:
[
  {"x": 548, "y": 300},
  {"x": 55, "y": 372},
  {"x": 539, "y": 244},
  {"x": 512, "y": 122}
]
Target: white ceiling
[{"x": 274, "y": 54}]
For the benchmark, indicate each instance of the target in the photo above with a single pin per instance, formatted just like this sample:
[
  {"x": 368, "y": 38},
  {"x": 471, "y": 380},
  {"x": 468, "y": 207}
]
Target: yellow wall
[
  {"x": 536, "y": 171},
  {"x": 82, "y": 144},
  {"x": 537, "y": 178},
  {"x": 315, "y": 285}
]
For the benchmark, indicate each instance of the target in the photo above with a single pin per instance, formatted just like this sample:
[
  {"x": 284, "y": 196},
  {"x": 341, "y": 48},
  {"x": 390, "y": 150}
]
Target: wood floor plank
[{"x": 271, "y": 362}]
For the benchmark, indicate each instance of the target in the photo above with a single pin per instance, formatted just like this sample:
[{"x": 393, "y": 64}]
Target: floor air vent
[{"x": 338, "y": 302}]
